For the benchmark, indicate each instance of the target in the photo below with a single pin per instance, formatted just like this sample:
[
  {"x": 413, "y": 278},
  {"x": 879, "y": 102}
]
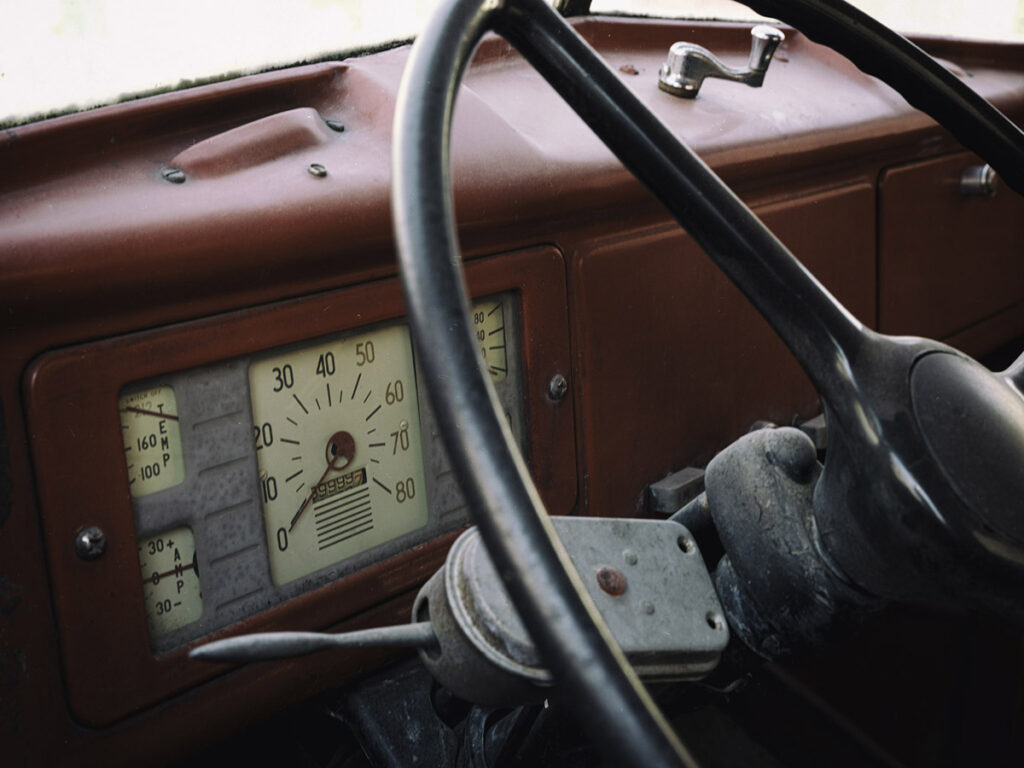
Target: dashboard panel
[
  {"x": 118, "y": 282},
  {"x": 219, "y": 541}
]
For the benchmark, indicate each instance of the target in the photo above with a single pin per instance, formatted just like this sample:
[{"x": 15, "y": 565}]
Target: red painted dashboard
[{"x": 113, "y": 272}]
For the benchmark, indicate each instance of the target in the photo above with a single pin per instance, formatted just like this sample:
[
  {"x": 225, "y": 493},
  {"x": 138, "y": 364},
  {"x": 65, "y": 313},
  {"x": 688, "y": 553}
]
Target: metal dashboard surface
[{"x": 105, "y": 259}]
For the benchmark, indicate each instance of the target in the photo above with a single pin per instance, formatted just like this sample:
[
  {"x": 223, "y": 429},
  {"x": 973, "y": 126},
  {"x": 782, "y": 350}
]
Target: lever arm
[{"x": 688, "y": 64}]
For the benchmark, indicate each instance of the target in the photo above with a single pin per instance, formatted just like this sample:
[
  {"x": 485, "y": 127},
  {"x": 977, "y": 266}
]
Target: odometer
[{"x": 337, "y": 435}]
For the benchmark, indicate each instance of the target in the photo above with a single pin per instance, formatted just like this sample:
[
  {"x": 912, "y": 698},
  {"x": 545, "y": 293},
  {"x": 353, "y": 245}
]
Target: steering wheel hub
[{"x": 970, "y": 421}]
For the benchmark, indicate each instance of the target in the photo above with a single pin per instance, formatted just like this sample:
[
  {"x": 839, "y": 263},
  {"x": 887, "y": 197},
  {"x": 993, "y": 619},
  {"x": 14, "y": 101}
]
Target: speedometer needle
[{"x": 341, "y": 449}]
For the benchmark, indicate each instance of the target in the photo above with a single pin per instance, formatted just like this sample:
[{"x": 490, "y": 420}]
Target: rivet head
[
  {"x": 629, "y": 556},
  {"x": 90, "y": 543},
  {"x": 647, "y": 607},
  {"x": 316, "y": 170},
  {"x": 558, "y": 387},
  {"x": 173, "y": 175},
  {"x": 611, "y": 581}
]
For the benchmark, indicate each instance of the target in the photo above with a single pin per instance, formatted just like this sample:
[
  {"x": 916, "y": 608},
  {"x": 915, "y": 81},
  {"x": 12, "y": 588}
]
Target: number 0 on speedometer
[{"x": 337, "y": 434}]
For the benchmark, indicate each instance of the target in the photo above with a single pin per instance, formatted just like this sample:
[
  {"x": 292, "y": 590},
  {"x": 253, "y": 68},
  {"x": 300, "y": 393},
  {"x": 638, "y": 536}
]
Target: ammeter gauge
[
  {"x": 152, "y": 440},
  {"x": 337, "y": 431},
  {"x": 170, "y": 580}
]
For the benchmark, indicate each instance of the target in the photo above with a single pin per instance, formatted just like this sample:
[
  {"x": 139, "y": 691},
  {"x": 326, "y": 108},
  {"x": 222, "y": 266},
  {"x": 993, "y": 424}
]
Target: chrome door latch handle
[
  {"x": 979, "y": 181},
  {"x": 688, "y": 64}
]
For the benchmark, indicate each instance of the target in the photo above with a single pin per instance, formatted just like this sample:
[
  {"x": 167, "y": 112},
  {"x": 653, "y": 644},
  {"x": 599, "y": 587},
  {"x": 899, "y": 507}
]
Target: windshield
[
  {"x": 62, "y": 55},
  {"x": 59, "y": 55},
  {"x": 982, "y": 19}
]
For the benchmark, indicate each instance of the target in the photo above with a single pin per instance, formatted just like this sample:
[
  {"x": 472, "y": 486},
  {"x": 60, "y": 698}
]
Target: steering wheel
[{"x": 919, "y": 492}]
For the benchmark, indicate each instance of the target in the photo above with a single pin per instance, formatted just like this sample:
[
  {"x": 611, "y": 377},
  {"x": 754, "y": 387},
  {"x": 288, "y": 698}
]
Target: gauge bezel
[
  {"x": 271, "y": 404},
  {"x": 110, "y": 667}
]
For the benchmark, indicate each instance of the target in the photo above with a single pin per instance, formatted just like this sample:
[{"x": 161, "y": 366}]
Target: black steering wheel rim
[{"x": 617, "y": 711}]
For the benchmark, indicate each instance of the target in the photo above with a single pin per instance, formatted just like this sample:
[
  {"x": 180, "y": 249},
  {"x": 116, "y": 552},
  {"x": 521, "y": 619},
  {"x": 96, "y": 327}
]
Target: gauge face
[
  {"x": 170, "y": 580},
  {"x": 337, "y": 434},
  {"x": 152, "y": 440},
  {"x": 489, "y": 331}
]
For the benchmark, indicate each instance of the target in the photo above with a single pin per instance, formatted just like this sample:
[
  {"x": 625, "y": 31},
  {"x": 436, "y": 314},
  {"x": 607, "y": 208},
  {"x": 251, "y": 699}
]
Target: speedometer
[{"x": 337, "y": 433}]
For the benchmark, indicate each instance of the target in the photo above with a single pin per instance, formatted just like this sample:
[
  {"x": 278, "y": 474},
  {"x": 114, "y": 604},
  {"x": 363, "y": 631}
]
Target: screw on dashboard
[
  {"x": 558, "y": 387},
  {"x": 173, "y": 175},
  {"x": 90, "y": 542}
]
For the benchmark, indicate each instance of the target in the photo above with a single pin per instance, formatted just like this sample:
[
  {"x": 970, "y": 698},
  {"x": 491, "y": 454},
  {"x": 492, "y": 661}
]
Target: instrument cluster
[{"x": 258, "y": 479}]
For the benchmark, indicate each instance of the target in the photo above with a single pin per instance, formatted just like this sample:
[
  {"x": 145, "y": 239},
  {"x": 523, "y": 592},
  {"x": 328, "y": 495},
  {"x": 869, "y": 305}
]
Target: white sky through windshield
[
  {"x": 56, "y": 55},
  {"x": 60, "y": 53}
]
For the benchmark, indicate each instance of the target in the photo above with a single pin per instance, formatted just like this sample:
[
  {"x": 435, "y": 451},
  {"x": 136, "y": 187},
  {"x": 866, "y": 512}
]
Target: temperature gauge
[
  {"x": 170, "y": 580},
  {"x": 152, "y": 440}
]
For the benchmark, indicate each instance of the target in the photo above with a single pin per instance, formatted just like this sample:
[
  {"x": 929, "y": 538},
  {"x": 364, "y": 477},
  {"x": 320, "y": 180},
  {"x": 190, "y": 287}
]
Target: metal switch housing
[{"x": 646, "y": 577}]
